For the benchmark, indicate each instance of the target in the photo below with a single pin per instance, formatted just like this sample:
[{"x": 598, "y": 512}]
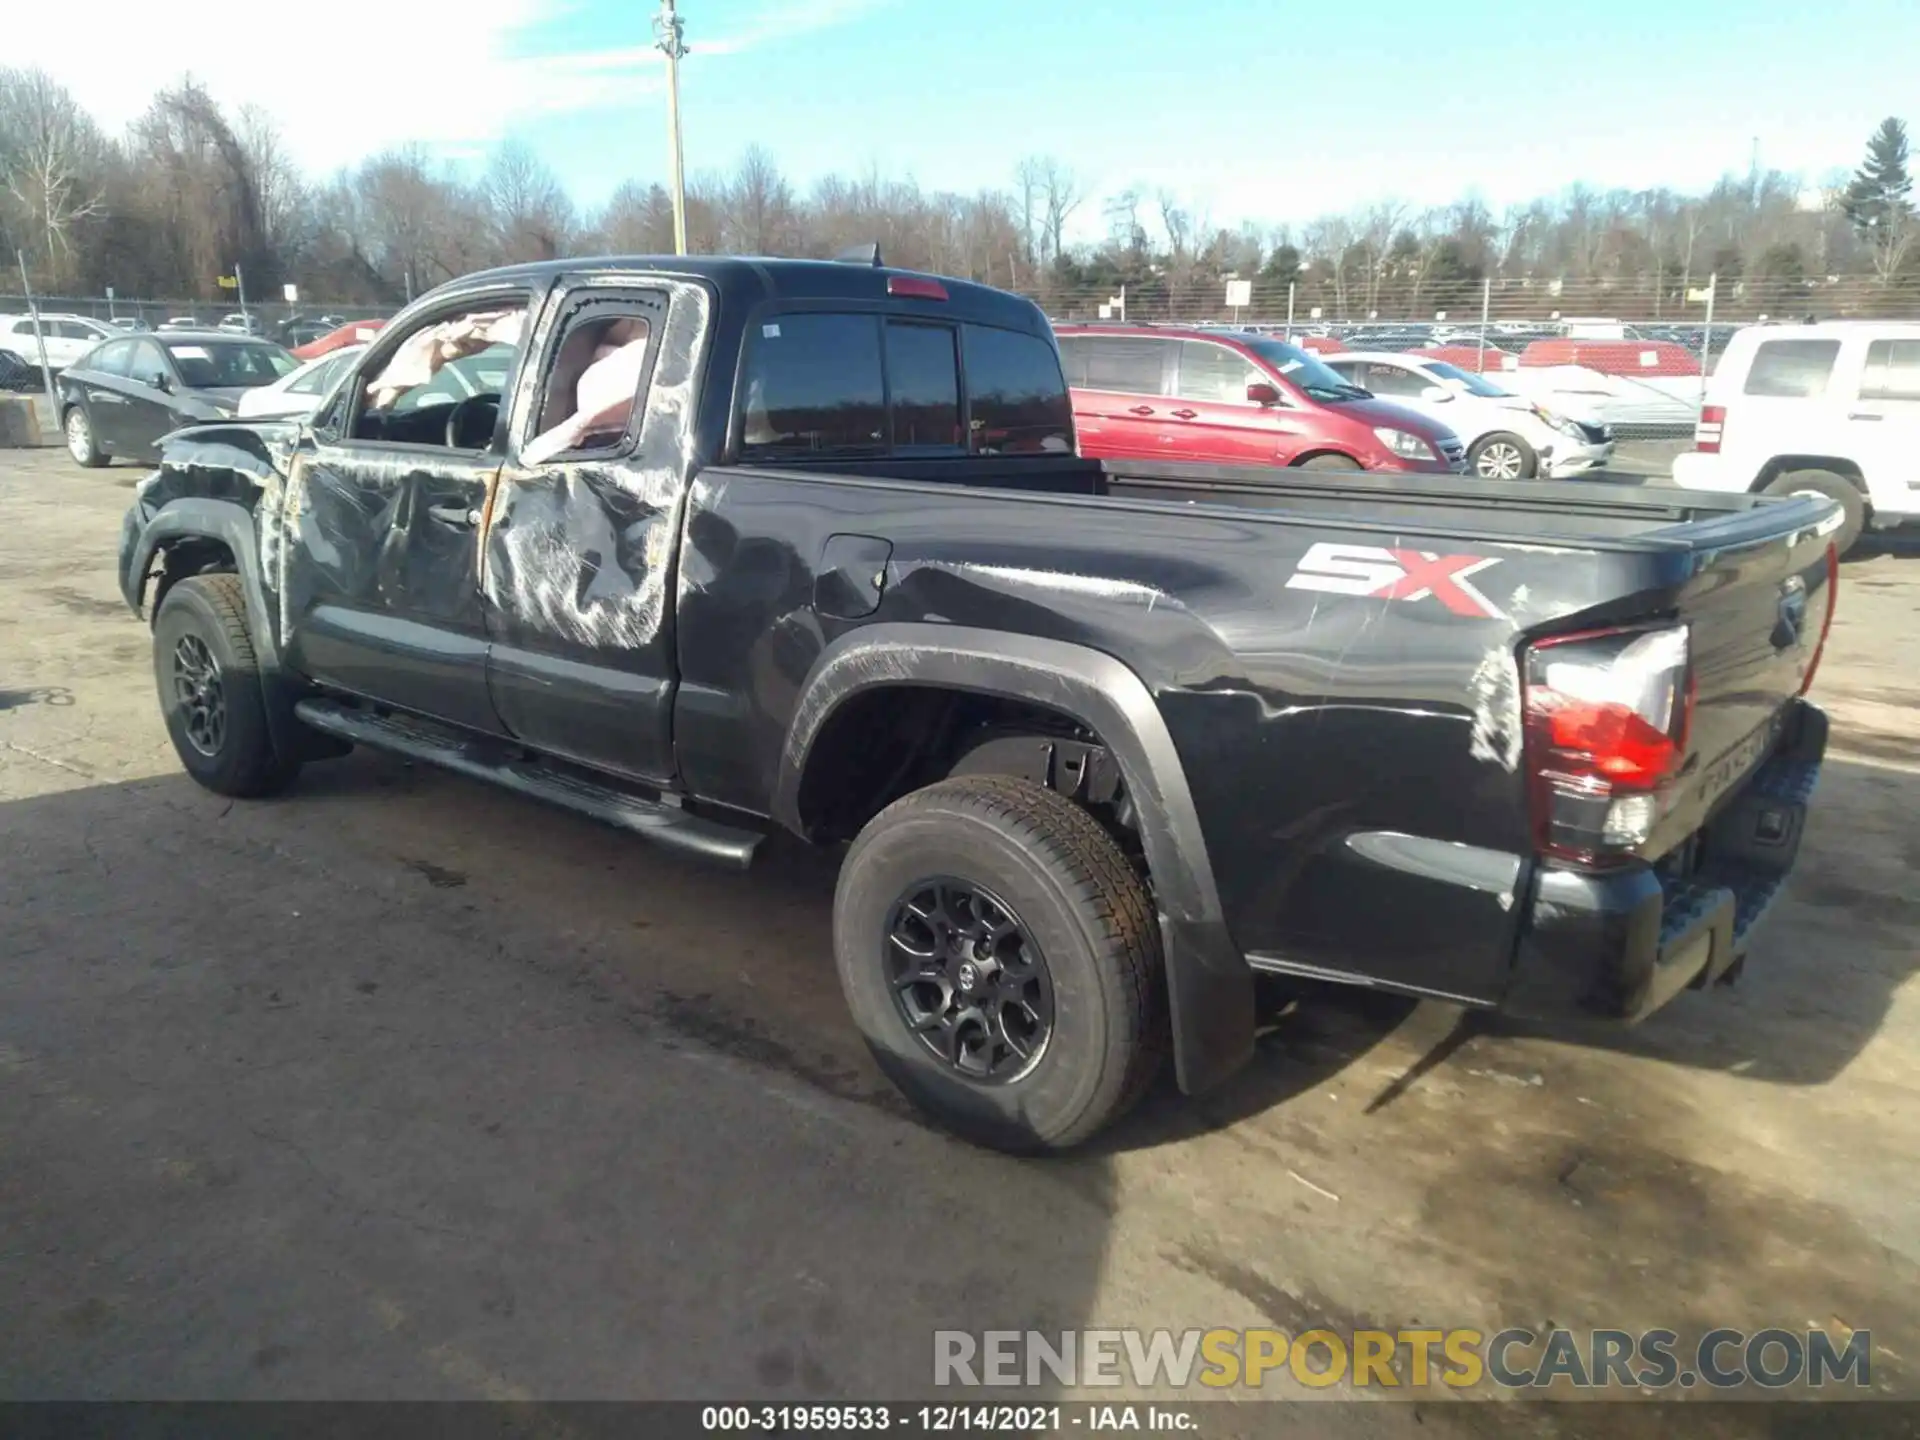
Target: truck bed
[{"x": 1561, "y": 513}]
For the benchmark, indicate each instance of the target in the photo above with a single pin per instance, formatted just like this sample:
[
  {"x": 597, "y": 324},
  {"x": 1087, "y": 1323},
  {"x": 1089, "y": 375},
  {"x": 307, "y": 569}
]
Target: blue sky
[
  {"x": 1270, "y": 109},
  {"x": 1273, "y": 110}
]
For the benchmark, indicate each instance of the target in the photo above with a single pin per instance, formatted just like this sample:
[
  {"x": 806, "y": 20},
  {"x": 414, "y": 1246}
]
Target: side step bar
[{"x": 661, "y": 822}]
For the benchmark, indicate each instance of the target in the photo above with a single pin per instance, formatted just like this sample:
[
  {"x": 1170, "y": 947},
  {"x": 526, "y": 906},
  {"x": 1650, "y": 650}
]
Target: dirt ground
[{"x": 398, "y": 1086}]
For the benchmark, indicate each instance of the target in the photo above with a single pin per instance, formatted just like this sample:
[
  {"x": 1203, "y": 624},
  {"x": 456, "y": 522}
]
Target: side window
[
  {"x": 1073, "y": 359},
  {"x": 316, "y": 380},
  {"x": 1016, "y": 396},
  {"x": 445, "y": 381},
  {"x": 147, "y": 363},
  {"x": 1214, "y": 373},
  {"x": 813, "y": 386},
  {"x": 1131, "y": 367},
  {"x": 924, "y": 380},
  {"x": 112, "y": 359},
  {"x": 592, "y": 389},
  {"x": 1354, "y": 372},
  {"x": 1394, "y": 380},
  {"x": 1792, "y": 369},
  {"x": 1893, "y": 371}
]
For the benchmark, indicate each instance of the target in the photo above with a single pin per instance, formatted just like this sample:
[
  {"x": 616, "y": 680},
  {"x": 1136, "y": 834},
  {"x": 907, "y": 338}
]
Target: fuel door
[{"x": 852, "y": 576}]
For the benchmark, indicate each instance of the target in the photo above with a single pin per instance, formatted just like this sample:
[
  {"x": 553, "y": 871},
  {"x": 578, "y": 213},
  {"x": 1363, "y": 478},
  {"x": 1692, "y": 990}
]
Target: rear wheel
[
  {"x": 1002, "y": 961},
  {"x": 1502, "y": 456},
  {"x": 209, "y": 682},
  {"x": 1827, "y": 485},
  {"x": 1329, "y": 462},
  {"x": 80, "y": 442}
]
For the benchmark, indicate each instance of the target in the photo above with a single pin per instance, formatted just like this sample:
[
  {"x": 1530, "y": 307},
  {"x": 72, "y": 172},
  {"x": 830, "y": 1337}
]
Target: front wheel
[
  {"x": 208, "y": 677},
  {"x": 1002, "y": 961},
  {"x": 80, "y": 442},
  {"x": 1503, "y": 457}
]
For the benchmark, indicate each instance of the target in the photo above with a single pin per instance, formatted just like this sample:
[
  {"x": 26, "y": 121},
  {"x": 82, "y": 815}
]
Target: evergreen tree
[{"x": 1878, "y": 195}]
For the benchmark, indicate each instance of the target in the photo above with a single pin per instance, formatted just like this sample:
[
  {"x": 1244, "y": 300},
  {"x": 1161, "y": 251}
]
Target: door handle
[
  {"x": 1865, "y": 415},
  {"x": 454, "y": 514},
  {"x": 1141, "y": 410},
  {"x": 1185, "y": 414}
]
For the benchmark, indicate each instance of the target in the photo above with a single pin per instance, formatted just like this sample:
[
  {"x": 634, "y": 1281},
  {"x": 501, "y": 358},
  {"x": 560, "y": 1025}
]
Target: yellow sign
[{"x": 229, "y": 282}]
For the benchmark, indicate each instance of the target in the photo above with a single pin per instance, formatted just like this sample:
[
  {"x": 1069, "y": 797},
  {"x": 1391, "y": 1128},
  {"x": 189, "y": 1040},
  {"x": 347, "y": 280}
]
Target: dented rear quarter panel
[{"x": 1354, "y": 759}]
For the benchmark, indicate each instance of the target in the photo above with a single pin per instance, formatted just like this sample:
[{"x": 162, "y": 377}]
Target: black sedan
[{"x": 123, "y": 395}]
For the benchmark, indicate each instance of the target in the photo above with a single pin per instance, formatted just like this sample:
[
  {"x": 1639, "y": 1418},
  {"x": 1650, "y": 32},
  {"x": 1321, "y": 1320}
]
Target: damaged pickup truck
[{"x": 708, "y": 547}]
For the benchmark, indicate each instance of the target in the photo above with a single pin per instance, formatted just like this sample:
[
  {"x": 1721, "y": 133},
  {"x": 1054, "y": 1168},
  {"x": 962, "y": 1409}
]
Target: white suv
[
  {"x": 1507, "y": 436},
  {"x": 67, "y": 337},
  {"x": 1829, "y": 409}
]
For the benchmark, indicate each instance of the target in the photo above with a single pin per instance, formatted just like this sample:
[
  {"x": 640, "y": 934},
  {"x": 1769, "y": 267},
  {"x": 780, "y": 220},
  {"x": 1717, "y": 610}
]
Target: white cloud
[{"x": 354, "y": 77}]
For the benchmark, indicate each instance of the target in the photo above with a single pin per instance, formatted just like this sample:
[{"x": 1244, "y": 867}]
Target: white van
[{"x": 1830, "y": 409}]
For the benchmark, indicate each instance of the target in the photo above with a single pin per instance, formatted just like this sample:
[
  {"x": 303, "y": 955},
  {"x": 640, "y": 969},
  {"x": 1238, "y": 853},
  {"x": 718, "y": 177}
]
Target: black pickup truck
[{"x": 706, "y": 547}]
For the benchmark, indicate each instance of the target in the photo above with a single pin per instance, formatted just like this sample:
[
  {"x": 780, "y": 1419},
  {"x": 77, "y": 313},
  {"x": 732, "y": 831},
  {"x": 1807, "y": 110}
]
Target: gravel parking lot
[{"x": 398, "y": 1086}]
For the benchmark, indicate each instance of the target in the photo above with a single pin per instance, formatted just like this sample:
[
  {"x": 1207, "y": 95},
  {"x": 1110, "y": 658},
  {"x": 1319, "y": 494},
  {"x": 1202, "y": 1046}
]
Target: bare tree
[
  {"x": 1378, "y": 226},
  {"x": 276, "y": 180},
  {"x": 52, "y": 164},
  {"x": 638, "y": 220},
  {"x": 1027, "y": 175},
  {"x": 1060, "y": 195},
  {"x": 532, "y": 217},
  {"x": 758, "y": 207}
]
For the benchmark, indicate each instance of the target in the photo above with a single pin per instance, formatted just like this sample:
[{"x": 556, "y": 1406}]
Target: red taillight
[
  {"x": 1711, "y": 430},
  {"x": 1607, "y": 718},
  {"x": 1615, "y": 742},
  {"x": 1826, "y": 625},
  {"x": 916, "y": 287}
]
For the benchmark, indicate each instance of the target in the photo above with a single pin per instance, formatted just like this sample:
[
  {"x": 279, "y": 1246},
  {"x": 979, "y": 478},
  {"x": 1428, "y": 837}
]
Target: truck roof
[{"x": 749, "y": 281}]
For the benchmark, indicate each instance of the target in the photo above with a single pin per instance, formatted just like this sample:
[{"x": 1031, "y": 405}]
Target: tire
[
  {"x": 1329, "y": 462},
  {"x": 1503, "y": 456},
  {"x": 78, "y": 426},
  {"x": 1853, "y": 504},
  {"x": 210, "y": 612},
  {"x": 1081, "y": 909}
]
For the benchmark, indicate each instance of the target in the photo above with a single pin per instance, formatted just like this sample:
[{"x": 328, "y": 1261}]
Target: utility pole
[{"x": 667, "y": 32}]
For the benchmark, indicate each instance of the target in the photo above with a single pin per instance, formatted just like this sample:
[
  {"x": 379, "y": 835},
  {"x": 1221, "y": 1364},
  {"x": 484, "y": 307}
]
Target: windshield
[
  {"x": 1468, "y": 381},
  {"x": 481, "y": 374},
  {"x": 240, "y": 364},
  {"x": 1302, "y": 369}
]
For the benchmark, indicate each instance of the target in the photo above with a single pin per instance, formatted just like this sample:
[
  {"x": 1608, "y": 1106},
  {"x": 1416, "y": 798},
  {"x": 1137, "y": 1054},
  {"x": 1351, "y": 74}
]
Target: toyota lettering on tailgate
[{"x": 1386, "y": 574}]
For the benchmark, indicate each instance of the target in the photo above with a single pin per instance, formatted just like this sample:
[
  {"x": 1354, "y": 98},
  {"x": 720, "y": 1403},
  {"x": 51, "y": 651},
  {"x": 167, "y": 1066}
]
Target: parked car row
[{"x": 1238, "y": 397}]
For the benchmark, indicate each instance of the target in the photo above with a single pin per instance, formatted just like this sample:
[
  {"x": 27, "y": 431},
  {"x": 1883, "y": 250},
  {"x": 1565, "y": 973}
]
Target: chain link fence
[{"x": 1652, "y": 340}]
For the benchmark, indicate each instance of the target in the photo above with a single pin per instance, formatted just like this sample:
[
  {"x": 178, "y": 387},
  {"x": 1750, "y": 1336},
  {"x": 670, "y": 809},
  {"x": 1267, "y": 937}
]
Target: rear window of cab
[{"x": 822, "y": 383}]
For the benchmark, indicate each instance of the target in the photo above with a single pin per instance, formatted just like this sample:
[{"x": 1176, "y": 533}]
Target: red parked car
[
  {"x": 1232, "y": 398},
  {"x": 354, "y": 332}
]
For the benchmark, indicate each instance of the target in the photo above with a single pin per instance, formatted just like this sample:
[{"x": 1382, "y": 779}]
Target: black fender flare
[
  {"x": 198, "y": 518},
  {"x": 1210, "y": 989}
]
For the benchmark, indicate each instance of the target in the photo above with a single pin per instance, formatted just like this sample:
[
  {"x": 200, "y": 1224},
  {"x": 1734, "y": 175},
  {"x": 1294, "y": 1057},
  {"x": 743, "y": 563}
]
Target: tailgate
[{"x": 1757, "y": 612}]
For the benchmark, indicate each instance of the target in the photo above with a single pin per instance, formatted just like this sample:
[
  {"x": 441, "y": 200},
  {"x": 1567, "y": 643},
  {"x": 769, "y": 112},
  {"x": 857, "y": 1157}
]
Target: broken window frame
[{"x": 609, "y": 303}]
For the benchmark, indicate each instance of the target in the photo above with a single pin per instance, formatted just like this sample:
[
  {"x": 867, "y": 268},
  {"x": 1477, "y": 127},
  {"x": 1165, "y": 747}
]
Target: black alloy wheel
[
  {"x": 201, "y": 692},
  {"x": 968, "y": 979}
]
